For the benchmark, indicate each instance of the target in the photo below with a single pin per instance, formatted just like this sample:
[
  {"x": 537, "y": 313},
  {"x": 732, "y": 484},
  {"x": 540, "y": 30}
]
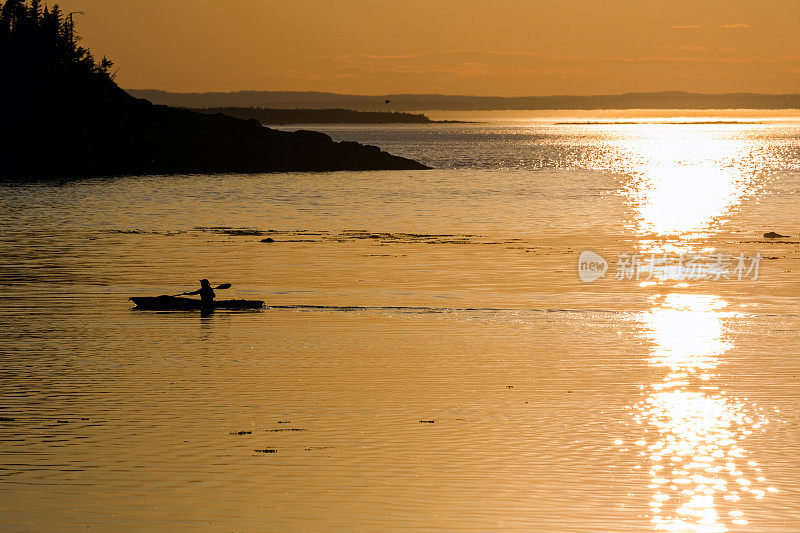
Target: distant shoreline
[
  {"x": 659, "y": 122},
  {"x": 440, "y": 102},
  {"x": 278, "y": 117}
]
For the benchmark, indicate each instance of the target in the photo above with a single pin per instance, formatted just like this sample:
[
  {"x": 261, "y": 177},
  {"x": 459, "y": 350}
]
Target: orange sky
[{"x": 499, "y": 47}]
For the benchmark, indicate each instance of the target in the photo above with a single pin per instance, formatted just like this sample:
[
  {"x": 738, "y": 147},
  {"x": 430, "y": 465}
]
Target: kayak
[{"x": 174, "y": 303}]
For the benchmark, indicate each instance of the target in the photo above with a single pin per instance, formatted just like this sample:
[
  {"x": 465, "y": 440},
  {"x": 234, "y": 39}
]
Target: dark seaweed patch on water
[
  {"x": 344, "y": 236},
  {"x": 406, "y": 238},
  {"x": 267, "y": 450},
  {"x": 231, "y": 231},
  {"x": 143, "y": 232},
  {"x": 286, "y": 429},
  {"x": 772, "y": 242}
]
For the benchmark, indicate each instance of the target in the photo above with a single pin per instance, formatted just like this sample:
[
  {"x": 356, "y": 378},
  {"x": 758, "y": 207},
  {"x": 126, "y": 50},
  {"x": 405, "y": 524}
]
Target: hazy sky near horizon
[{"x": 498, "y": 47}]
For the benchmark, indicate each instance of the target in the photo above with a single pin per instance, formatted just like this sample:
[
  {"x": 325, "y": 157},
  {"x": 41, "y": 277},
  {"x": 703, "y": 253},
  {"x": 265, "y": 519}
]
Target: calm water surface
[{"x": 430, "y": 358}]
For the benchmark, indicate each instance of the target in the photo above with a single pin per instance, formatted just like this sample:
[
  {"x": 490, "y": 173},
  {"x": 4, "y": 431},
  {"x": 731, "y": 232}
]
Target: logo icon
[{"x": 591, "y": 266}]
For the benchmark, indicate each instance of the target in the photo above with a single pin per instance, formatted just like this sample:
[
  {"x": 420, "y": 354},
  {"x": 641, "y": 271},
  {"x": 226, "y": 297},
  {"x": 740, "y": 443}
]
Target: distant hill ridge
[
  {"x": 317, "y": 116},
  {"x": 419, "y": 102}
]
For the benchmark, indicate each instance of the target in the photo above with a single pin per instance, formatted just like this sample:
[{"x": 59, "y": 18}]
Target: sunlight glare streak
[
  {"x": 682, "y": 180},
  {"x": 696, "y": 460}
]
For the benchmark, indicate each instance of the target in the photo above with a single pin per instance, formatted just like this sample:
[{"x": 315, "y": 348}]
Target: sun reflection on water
[
  {"x": 682, "y": 184},
  {"x": 694, "y": 431},
  {"x": 686, "y": 182},
  {"x": 683, "y": 180}
]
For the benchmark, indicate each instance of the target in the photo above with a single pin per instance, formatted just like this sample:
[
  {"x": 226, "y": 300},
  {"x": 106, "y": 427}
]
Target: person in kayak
[{"x": 205, "y": 291}]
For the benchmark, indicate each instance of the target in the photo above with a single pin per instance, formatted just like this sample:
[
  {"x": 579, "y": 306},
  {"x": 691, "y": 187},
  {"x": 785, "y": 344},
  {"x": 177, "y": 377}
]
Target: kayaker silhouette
[
  {"x": 205, "y": 291},
  {"x": 206, "y": 303}
]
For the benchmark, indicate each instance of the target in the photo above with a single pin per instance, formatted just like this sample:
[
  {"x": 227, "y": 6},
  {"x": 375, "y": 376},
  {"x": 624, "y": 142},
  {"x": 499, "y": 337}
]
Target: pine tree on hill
[{"x": 42, "y": 61}]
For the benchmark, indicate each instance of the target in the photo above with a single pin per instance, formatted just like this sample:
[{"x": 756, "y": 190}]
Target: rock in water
[{"x": 773, "y": 235}]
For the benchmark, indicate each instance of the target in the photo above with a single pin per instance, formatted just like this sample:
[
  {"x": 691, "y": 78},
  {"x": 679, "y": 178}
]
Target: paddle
[{"x": 217, "y": 288}]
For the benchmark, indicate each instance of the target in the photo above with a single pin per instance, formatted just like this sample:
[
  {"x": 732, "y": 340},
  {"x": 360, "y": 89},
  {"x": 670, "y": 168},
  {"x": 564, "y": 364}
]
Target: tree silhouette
[
  {"x": 41, "y": 58},
  {"x": 62, "y": 116}
]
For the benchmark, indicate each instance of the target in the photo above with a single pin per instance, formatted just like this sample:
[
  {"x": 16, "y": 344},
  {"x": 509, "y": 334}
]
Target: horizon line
[{"x": 562, "y": 95}]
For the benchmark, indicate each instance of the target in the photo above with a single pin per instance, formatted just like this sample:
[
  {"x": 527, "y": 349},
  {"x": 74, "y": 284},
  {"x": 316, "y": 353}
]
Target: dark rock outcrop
[
  {"x": 136, "y": 137},
  {"x": 62, "y": 116}
]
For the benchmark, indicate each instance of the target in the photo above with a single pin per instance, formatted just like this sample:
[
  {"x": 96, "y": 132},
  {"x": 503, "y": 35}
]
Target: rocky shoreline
[
  {"x": 139, "y": 138},
  {"x": 64, "y": 117}
]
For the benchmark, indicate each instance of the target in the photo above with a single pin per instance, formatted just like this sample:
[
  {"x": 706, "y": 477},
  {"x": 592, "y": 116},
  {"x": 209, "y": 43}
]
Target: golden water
[{"x": 430, "y": 359}]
